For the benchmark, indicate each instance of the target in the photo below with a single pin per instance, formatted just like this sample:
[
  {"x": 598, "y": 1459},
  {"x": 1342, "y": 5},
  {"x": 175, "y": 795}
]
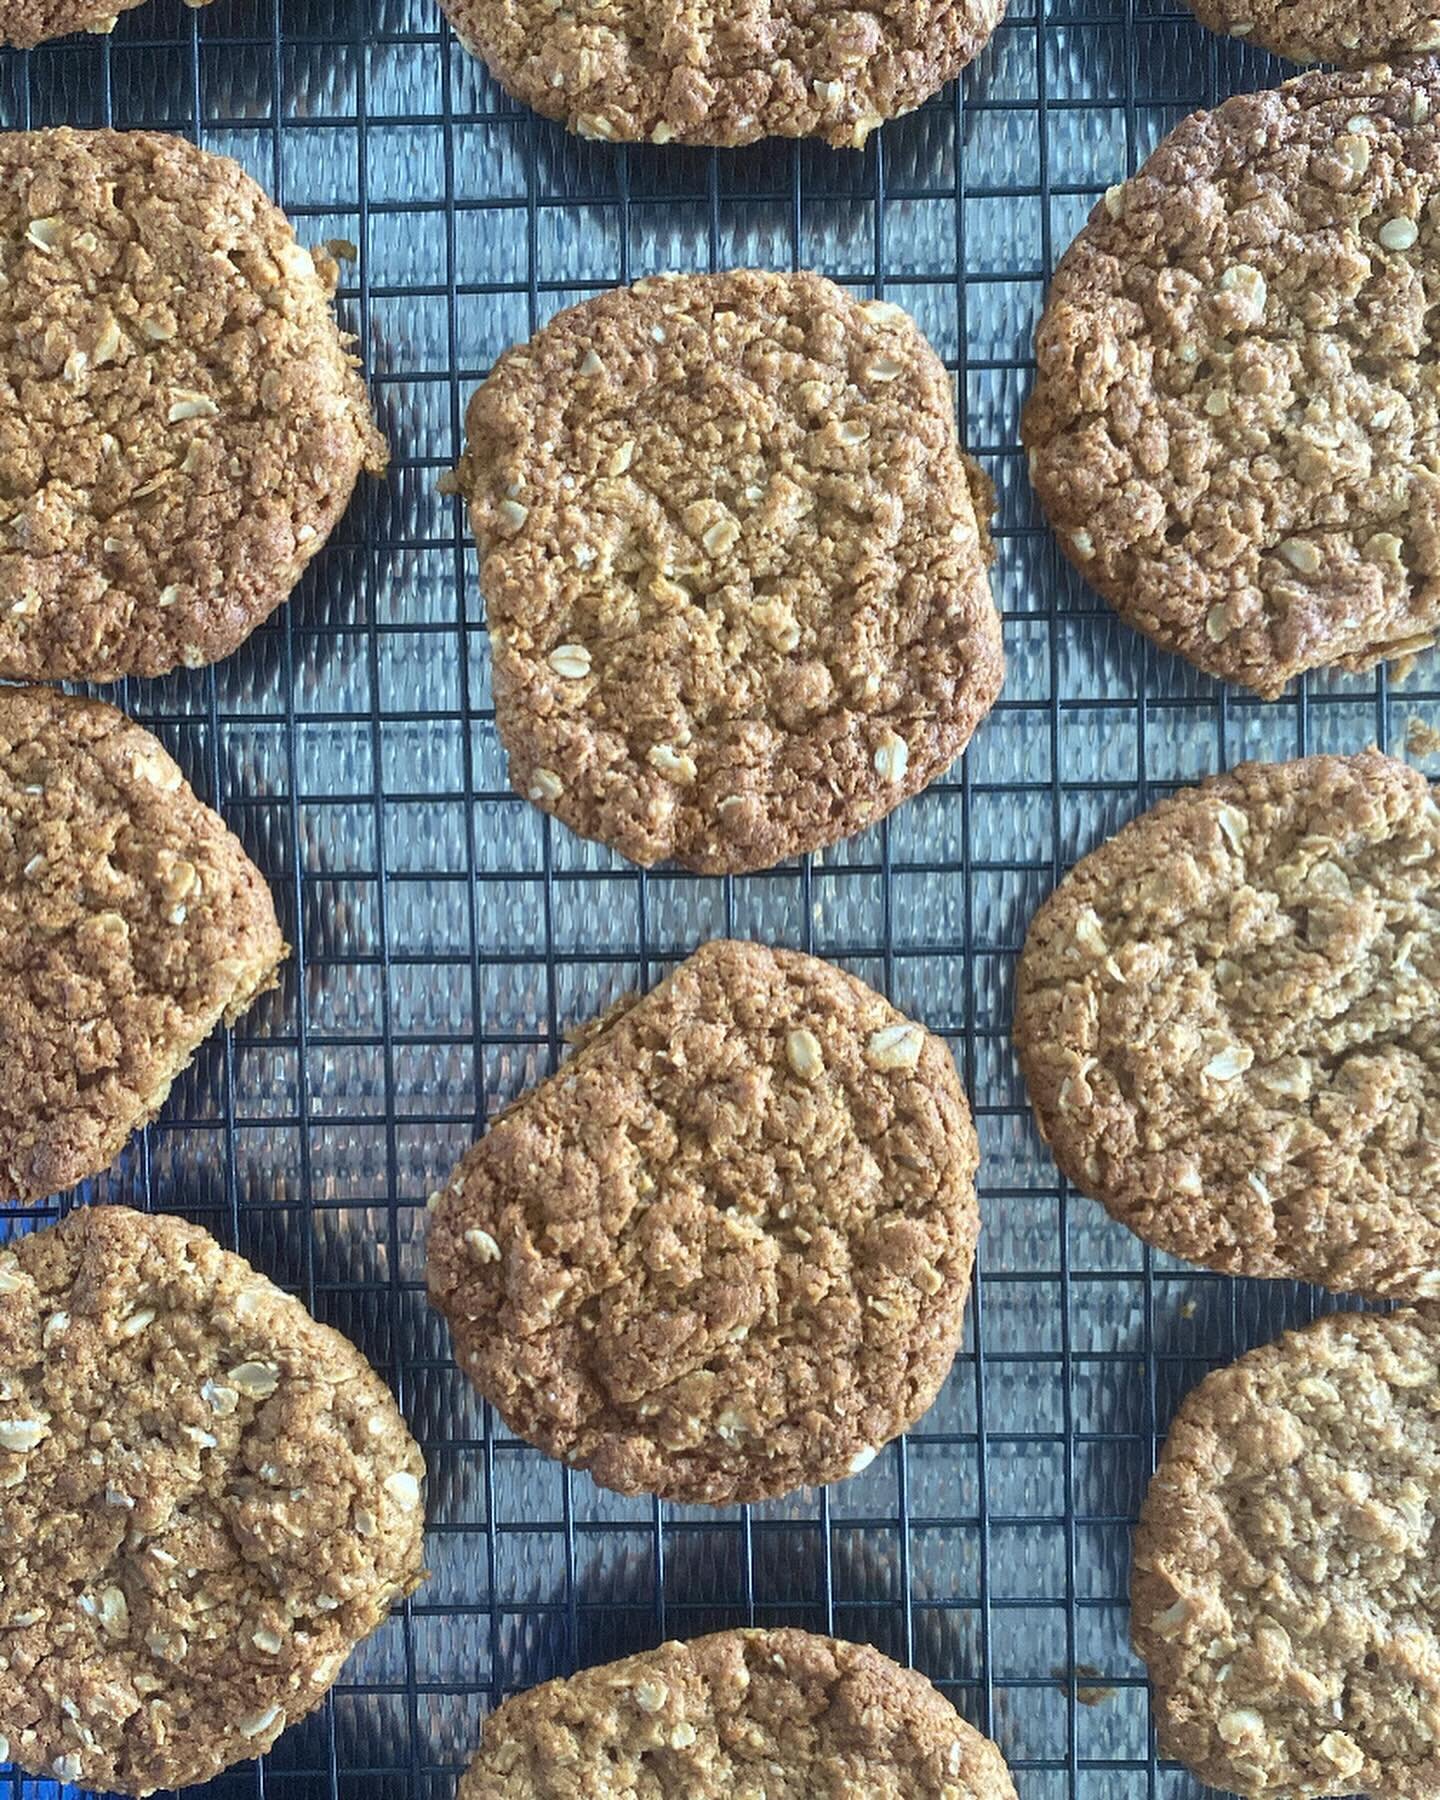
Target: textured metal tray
[{"x": 446, "y": 935}]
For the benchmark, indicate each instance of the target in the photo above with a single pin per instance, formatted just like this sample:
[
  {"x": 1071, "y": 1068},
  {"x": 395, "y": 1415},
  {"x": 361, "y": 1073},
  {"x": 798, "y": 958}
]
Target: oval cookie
[
  {"x": 181, "y": 423},
  {"x": 1233, "y": 427},
  {"x": 734, "y": 573},
  {"x": 1228, "y": 1019},
  {"x": 1283, "y": 1592},
  {"x": 725, "y": 1250},
  {"x": 768, "y": 68},
  {"x": 206, "y": 1500},
  {"x": 131, "y": 924},
  {"x": 783, "y": 1714}
]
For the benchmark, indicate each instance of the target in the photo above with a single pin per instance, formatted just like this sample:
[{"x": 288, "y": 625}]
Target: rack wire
[{"x": 445, "y": 935}]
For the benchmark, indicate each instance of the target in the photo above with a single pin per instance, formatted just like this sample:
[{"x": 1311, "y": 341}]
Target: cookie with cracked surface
[
  {"x": 1233, "y": 431},
  {"x": 735, "y": 566},
  {"x": 739, "y": 1715},
  {"x": 131, "y": 924},
  {"x": 1228, "y": 1017},
  {"x": 769, "y": 68},
  {"x": 181, "y": 424},
  {"x": 724, "y": 1252},
  {"x": 1283, "y": 1591},
  {"x": 207, "y": 1499}
]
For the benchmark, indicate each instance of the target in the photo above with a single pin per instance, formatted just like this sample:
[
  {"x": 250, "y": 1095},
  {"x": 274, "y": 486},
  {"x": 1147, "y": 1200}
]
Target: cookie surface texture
[
  {"x": 725, "y": 1250},
  {"x": 1227, "y": 1018},
  {"x": 1283, "y": 1592},
  {"x": 131, "y": 924},
  {"x": 770, "y": 68},
  {"x": 181, "y": 423},
  {"x": 780, "y": 1714},
  {"x": 206, "y": 1500},
  {"x": 733, "y": 570},
  {"x": 1233, "y": 431}
]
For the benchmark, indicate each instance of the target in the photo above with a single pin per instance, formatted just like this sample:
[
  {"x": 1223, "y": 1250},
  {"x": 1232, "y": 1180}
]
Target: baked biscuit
[
  {"x": 131, "y": 924},
  {"x": 735, "y": 566},
  {"x": 206, "y": 1500},
  {"x": 181, "y": 423},
  {"x": 1233, "y": 429},
  {"x": 1344, "y": 32},
  {"x": 1228, "y": 1019},
  {"x": 1283, "y": 1592},
  {"x": 725, "y": 1250},
  {"x": 740, "y": 1715},
  {"x": 24, "y": 23},
  {"x": 692, "y": 76}
]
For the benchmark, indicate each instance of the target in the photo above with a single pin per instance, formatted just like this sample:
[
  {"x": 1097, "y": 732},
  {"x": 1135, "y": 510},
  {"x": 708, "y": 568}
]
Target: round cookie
[
  {"x": 739, "y": 1715},
  {"x": 1283, "y": 1591},
  {"x": 1334, "y": 31},
  {"x": 181, "y": 423},
  {"x": 724, "y": 1252},
  {"x": 772, "y": 68},
  {"x": 24, "y": 23},
  {"x": 206, "y": 1500},
  {"x": 1233, "y": 430},
  {"x": 735, "y": 566},
  {"x": 1228, "y": 1017},
  {"x": 131, "y": 924}
]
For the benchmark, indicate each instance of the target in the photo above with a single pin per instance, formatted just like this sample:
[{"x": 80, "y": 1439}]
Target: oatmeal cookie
[
  {"x": 725, "y": 1250},
  {"x": 181, "y": 424},
  {"x": 1345, "y": 32},
  {"x": 1234, "y": 431},
  {"x": 1229, "y": 1020},
  {"x": 735, "y": 566},
  {"x": 131, "y": 924},
  {"x": 769, "y": 68},
  {"x": 1283, "y": 1592},
  {"x": 206, "y": 1500},
  {"x": 25, "y": 23},
  {"x": 740, "y": 1715}
]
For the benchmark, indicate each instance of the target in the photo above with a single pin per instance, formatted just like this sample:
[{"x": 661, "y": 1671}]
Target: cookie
[
  {"x": 1333, "y": 31},
  {"x": 1233, "y": 425},
  {"x": 24, "y": 23},
  {"x": 740, "y": 1715},
  {"x": 775, "y": 68},
  {"x": 1228, "y": 1019},
  {"x": 131, "y": 924},
  {"x": 181, "y": 424},
  {"x": 1283, "y": 1591},
  {"x": 735, "y": 566},
  {"x": 206, "y": 1500},
  {"x": 724, "y": 1252}
]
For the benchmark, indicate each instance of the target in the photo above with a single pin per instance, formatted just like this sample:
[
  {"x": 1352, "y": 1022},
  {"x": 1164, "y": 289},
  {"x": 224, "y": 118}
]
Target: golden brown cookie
[
  {"x": 24, "y": 23},
  {"x": 734, "y": 563},
  {"x": 1234, "y": 431},
  {"x": 1229, "y": 1021},
  {"x": 694, "y": 76},
  {"x": 1284, "y": 1590},
  {"x": 725, "y": 1250},
  {"x": 1347, "y": 32},
  {"x": 206, "y": 1500},
  {"x": 131, "y": 924},
  {"x": 740, "y": 1715},
  {"x": 181, "y": 423}
]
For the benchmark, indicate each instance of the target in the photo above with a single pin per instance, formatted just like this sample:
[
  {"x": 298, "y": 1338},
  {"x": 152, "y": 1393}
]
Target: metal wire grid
[{"x": 445, "y": 935}]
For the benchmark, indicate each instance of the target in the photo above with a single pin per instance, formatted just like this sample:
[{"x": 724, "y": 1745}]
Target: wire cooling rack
[{"x": 445, "y": 935}]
